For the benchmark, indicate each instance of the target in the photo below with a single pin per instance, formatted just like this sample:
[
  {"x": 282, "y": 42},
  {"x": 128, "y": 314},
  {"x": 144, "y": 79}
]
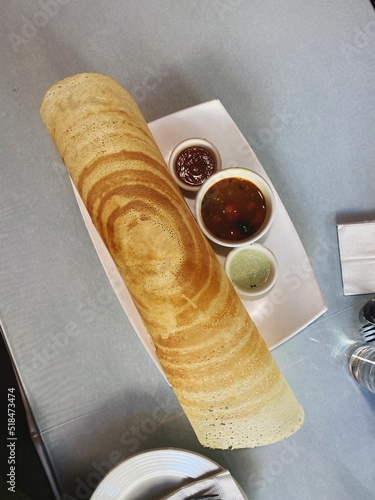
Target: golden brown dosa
[{"x": 216, "y": 361}]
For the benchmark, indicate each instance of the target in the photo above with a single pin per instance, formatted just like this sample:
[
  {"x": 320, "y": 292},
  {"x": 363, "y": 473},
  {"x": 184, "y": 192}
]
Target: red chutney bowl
[
  {"x": 235, "y": 207},
  {"x": 192, "y": 162}
]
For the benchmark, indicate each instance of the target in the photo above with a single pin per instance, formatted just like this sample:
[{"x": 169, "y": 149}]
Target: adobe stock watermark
[
  {"x": 129, "y": 442},
  {"x": 278, "y": 121},
  {"x": 58, "y": 341},
  {"x": 152, "y": 79},
  {"x": 362, "y": 39},
  {"x": 275, "y": 468},
  {"x": 244, "y": 155},
  {"x": 31, "y": 26},
  {"x": 266, "y": 135},
  {"x": 223, "y": 7},
  {"x": 292, "y": 279}
]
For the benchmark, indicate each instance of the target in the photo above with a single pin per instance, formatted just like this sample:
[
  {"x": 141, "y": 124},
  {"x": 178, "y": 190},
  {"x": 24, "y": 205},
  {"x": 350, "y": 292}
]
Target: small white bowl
[
  {"x": 253, "y": 270},
  {"x": 239, "y": 173},
  {"x": 189, "y": 143}
]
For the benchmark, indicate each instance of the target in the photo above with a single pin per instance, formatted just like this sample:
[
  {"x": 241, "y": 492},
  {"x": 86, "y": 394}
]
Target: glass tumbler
[{"x": 361, "y": 363}]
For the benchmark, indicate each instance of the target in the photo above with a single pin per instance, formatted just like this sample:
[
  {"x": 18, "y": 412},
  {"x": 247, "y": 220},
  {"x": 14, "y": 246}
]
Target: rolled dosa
[{"x": 220, "y": 368}]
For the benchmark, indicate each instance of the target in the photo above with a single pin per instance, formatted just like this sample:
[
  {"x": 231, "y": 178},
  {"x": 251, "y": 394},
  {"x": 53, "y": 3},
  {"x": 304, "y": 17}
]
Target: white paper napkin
[
  {"x": 221, "y": 484},
  {"x": 357, "y": 255}
]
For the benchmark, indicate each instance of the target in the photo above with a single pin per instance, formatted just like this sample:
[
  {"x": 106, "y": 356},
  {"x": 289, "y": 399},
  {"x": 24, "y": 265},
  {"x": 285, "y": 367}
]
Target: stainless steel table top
[{"x": 298, "y": 78}]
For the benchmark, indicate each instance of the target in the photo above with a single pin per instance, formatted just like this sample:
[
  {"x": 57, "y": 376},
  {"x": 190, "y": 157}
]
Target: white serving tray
[{"x": 296, "y": 300}]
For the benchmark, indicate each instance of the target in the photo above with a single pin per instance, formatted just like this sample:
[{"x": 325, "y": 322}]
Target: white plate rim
[{"x": 153, "y": 464}]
